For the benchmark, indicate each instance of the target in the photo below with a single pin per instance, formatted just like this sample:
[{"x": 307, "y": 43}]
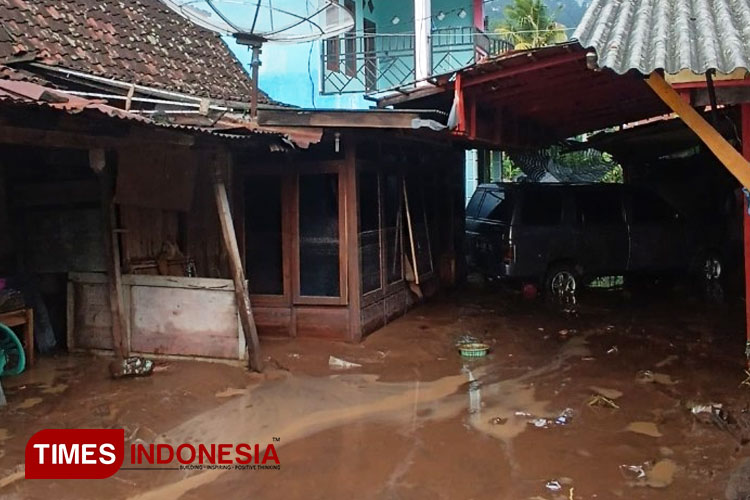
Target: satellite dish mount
[{"x": 255, "y": 22}]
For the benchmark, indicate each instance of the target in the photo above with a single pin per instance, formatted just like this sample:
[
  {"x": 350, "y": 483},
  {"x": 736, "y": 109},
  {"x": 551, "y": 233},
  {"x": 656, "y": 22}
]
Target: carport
[{"x": 628, "y": 62}]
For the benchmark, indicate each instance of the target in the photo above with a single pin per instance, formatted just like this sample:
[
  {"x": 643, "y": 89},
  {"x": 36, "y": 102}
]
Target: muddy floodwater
[{"x": 630, "y": 398}]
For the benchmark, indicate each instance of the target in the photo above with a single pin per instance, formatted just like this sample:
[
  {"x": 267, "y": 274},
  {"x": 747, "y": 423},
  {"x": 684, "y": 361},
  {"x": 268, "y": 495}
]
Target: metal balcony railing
[{"x": 377, "y": 62}]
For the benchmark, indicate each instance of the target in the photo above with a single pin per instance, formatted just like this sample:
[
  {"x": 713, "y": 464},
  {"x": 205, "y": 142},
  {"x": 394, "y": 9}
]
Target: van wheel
[
  {"x": 561, "y": 285},
  {"x": 709, "y": 279}
]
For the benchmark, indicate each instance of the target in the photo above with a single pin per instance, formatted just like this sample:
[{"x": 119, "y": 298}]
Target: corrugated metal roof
[{"x": 672, "y": 35}]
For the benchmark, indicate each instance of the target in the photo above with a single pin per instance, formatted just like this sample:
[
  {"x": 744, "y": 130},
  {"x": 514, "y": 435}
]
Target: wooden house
[{"x": 138, "y": 197}]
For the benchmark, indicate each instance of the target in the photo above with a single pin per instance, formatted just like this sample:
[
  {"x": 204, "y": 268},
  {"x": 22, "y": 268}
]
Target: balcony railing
[{"x": 373, "y": 63}]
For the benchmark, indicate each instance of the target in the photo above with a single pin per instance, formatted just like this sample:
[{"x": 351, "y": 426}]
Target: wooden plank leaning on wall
[
  {"x": 222, "y": 167},
  {"x": 101, "y": 162}
]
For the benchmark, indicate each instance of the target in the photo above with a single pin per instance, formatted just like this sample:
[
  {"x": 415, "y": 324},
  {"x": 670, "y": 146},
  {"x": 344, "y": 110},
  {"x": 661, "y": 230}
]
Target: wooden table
[{"x": 23, "y": 317}]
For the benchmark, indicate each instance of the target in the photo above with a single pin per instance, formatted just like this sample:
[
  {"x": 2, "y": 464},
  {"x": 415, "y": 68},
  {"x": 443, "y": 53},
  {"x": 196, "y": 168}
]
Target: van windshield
[{"x": 497, "y": 206}]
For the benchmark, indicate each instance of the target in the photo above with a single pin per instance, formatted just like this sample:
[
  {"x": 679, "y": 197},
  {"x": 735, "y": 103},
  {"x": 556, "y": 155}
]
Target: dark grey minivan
[{"x": 562, "y": 235}]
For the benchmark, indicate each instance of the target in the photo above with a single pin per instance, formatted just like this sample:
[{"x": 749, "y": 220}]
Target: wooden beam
[
  {"x": 352, "y": 243},
  {"x": 241, "y": 292},
  {"x": 737, "y": 165},
  {"x": 343, "y": 119},
  {"x": 525, "y": 68},
  {"x": 745, "y": 124},
  {"x": 120, "y": 334}
]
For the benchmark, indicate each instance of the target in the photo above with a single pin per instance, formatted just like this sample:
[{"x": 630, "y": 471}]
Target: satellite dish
[
  {"x": 258, "y": 21},
  {"x": 254, "y": 22}
]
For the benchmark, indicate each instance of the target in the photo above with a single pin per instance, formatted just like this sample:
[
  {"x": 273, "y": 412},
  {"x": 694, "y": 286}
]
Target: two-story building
[{"x": 394, "y": 44}]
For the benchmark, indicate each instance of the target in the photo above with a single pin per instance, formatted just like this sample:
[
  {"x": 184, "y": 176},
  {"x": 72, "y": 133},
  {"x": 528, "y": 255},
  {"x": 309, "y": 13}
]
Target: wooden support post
[
  {"x": 745, "y": 113},
  {"x": 352, "y": 248},
  {"x": 720, "y": 147},
  {"x": 241, "y": 292},
  {"x": 112, "y": 253}
]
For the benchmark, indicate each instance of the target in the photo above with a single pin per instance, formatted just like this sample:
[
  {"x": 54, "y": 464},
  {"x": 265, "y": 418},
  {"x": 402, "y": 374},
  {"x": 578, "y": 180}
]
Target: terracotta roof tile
[{"x": 138, "y": 41}]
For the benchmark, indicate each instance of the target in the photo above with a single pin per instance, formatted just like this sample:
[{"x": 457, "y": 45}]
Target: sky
[{"x": 284, "y": 76}]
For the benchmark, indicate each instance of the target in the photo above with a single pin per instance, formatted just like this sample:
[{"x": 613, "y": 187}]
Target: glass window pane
[
  {"x": 319, "y": 235},
  {"x": 393, "y": 227},
  {"x": 472, "y": 209},
  {"x": 369, "y": 231},
  {"x": 263, "y": 230},
  {"x": 497, "y": 206}
]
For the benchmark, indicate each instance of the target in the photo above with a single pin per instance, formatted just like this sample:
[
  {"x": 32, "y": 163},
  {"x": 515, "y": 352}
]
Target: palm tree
[{"x": 529, "y": 24}]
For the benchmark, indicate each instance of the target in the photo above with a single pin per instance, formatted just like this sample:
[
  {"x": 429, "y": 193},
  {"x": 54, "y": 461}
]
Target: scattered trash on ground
[
  {"x": 657, "y": 475},
  {"x": 746, "y": 382},
  {"x": 711, "y": 408},
  {"x": 645, "y": 428},
  {"x": 294, "y": 355},
  {"x": 134, "y": 366},
  {"x": 613, "y": 350},
  {"x": 499, "y": 421},
  {"x": 564, "y": 418},
  {"x": 553, "y": 485},
  {"x": 650, "y": 377},
  {"x": 633, "y": 472},
  {"x": 599, "y": 400},
  {"x": 565, "y": 333},
  {"x": 340, "y": 364}
]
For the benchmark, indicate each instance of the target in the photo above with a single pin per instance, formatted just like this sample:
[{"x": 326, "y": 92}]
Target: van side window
[
  {"x": 599, "y": 207},
  {"x": 473, "y": 207},
  {"x": 497, "y": 206},
  {"x": 542, "y": 208},
  {"x": 648, "y": 208}
]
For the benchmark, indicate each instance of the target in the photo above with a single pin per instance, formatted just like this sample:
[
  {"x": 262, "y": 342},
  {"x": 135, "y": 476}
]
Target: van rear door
[{"x": 493, "y": 230}]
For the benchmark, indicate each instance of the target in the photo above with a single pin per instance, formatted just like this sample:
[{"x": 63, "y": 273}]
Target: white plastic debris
[
  {"x": 341, "y": 364},
  {"x": 714, "y": 408},
  {"x": 553, "y": 485},
  {"x": 539, "y": 422},
  {"x": 633, "y": 471}
]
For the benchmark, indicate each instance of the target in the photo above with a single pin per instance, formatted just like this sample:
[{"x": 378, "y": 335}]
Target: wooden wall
[{"x": 167, "y": 315}]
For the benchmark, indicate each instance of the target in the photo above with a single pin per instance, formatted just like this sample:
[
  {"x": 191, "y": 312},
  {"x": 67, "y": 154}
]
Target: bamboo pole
[{"x": 411, "y": 236}]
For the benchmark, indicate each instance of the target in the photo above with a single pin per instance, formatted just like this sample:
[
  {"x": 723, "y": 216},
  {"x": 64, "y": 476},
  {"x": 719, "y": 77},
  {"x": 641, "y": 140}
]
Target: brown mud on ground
[{"x": 418, "y": 421}]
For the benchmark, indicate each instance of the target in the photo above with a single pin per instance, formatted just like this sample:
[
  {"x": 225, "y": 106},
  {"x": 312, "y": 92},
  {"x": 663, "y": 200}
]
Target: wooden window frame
[
  {"x": 378, "y": 293},
  {"x": 257, "y": 299},
  {"x": 343, "y": 298}
]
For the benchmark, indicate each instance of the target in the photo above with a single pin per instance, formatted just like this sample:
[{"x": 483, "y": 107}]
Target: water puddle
[
  {"x": 645, "y": 428},
  {"x": 662, "y": 474},
  {"x": 297, "y": 406},
  {"x": 28, "y": 403}
]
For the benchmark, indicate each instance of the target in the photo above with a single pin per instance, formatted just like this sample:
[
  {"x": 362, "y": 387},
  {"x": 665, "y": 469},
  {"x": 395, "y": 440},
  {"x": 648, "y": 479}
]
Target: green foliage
[
  {"x": 529, "y": 24},
  {"x": 614, "y": 176},
  {"x": 509, "y": 171}
]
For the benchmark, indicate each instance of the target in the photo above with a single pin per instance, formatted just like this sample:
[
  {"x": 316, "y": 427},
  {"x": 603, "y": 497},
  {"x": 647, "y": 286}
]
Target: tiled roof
[
  {"x": 673, "y": 35},
  {"x": 137, "y": 41}
]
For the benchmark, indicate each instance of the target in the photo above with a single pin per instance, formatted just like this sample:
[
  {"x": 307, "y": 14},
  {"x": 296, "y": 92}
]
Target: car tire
[
  {"x": 561, "y": 285},
  {"x": 710, "y": 279}
]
